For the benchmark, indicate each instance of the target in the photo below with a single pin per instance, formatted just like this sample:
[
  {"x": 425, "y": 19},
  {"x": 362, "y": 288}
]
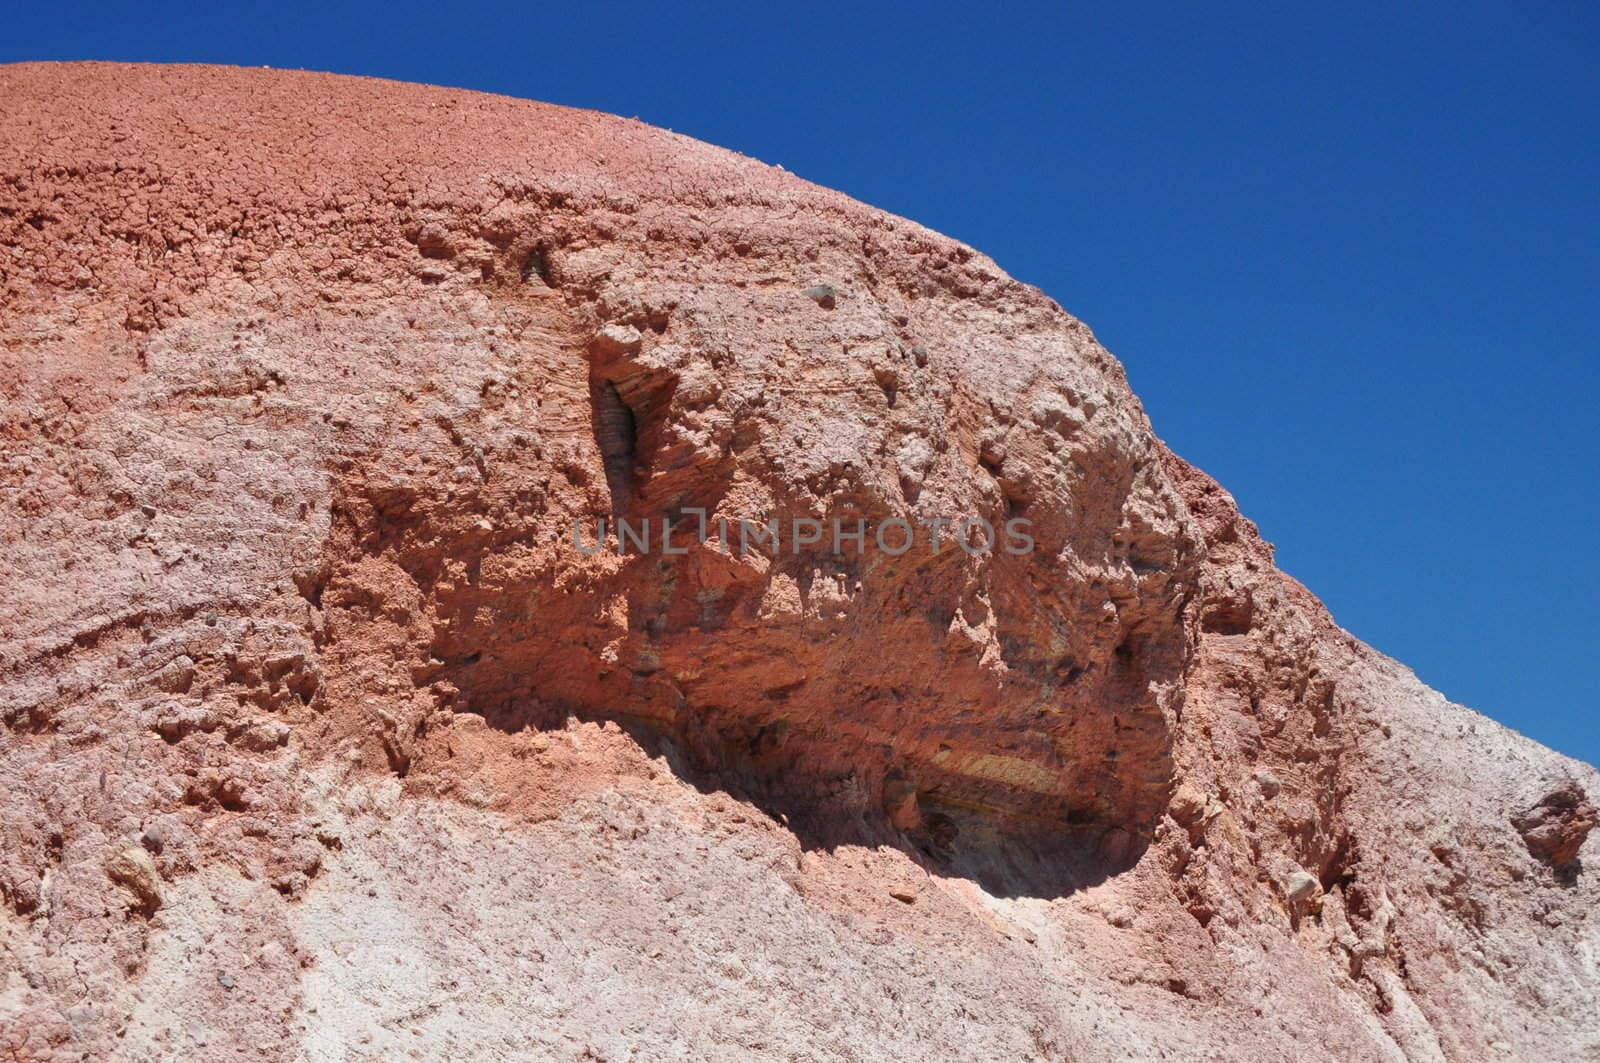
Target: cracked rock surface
[{"x": 321, "y": 738}]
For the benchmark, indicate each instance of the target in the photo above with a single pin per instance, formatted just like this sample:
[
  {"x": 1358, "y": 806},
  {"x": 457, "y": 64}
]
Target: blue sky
[{"x": 1350, "y": 260}]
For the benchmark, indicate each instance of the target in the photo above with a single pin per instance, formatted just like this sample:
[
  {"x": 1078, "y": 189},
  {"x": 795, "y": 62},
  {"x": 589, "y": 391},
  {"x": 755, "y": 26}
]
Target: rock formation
[{"x": 323, "y": 737}]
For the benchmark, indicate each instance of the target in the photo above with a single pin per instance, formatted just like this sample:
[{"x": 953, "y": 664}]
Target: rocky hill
[{"x": 328, "y": 731}]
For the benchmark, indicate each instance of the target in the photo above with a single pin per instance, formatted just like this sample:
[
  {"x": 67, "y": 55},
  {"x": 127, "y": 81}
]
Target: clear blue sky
[{"x": 1349, "y": 259}]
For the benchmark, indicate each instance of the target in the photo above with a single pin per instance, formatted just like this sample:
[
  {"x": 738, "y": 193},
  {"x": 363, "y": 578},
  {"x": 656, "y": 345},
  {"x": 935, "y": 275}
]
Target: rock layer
[{"x": 324, "y": 739}]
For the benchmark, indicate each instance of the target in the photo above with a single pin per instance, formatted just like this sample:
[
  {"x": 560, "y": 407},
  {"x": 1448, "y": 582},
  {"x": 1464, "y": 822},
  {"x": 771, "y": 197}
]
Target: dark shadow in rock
[{"x": 1007, "y": 855}]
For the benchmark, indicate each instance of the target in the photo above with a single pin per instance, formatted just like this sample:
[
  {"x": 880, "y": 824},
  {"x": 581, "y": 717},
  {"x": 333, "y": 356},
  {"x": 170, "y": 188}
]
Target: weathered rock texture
[{"x": 321, "y": 739}]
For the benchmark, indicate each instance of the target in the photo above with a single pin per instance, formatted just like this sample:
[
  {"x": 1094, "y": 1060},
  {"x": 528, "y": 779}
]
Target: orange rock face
[{"x": 326, "y": 737}]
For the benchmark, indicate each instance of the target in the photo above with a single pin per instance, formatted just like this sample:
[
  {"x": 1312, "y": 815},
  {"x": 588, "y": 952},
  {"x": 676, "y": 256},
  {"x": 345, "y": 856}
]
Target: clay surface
[{"x": 321, "y": 738}]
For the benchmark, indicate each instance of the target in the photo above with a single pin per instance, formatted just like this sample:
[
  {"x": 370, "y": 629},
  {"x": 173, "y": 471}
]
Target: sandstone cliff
[{"x": 321, "y": 739}]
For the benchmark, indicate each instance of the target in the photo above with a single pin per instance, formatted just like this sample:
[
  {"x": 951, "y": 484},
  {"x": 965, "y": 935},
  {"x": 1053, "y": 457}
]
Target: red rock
[
  {"x": 1556, "y": 828},
  {"x": 305, "y": 381}
]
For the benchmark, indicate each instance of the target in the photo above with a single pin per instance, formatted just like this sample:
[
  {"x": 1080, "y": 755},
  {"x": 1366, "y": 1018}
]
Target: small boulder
[
  {"x": 1193, "y": 810},
  {"x": 262, "y": 736},
  {"x": 135, "y": 869},
  {"x": 1300, "y": 886},
  {"x": 1188, "y": 805},
  {"x": 177, "y": 676},
  {"x": 615, "y": 340},
  {"x": 1556, "y": 827},
  {"x": 824, "y": 295}
]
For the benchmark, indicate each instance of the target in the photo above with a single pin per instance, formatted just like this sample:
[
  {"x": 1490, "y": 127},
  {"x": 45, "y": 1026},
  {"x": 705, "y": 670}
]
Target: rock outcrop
[
  {"x": 328, "y": 730},
  {"x": 1556, "y": 828}
]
